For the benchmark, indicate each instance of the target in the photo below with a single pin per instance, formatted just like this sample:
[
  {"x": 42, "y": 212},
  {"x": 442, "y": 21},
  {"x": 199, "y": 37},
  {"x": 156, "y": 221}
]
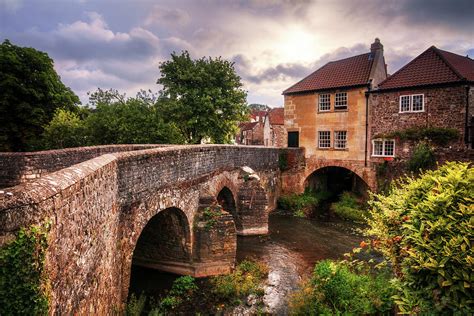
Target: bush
[
  {"x": 424, "y": 227},
  {"x": 422, "y": 158},
  {"x": 247, "y": 279},
  {"x": 349, "y": 207},
  {"x": 303, "y": 205},
  {"x": 135, "y": 305},
  {"x": 335, "y": 289},
  {"x": 23, "y": 285}
]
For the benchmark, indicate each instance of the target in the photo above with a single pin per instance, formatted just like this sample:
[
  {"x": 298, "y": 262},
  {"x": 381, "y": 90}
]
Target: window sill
[
  {"x": 382, "y": 156},
  {"x": 341, "y": 110},
  {"x": 406, "y": 112}
]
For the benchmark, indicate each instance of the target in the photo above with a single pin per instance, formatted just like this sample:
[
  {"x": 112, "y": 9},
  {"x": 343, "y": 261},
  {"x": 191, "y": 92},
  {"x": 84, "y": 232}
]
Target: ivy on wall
[
  {"x": 438, "y": 135},
  {"x": 22, "y": 281}
]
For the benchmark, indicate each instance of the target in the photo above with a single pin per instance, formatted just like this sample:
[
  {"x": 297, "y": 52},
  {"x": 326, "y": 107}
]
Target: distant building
[
  {"x": 274, "y": 132},
  {"x": 251, "y": 133}
]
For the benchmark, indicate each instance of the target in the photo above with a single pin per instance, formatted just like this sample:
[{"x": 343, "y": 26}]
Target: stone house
[
  {"x": 326, "y": 112},
  {"x": 433, "y": 91},
  {"x": 274, "y": 132}
]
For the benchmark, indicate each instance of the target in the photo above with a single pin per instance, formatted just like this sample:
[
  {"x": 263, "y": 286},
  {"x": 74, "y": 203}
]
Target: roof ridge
[
  {"x": 450, "y": 66},
  {"x": 307, "y": 77},
  {"x": 432, "y": 47}
]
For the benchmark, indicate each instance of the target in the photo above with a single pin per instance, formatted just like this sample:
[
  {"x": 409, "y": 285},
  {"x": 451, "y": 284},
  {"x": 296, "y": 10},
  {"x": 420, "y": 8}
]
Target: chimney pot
[{"x": 376, "y": 45}]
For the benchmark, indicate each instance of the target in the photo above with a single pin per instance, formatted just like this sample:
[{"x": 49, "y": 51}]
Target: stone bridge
[{"x": 175, "y": 208}]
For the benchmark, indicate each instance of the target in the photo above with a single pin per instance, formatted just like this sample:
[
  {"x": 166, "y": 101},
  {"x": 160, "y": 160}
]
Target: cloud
[
  {"x": 161, "y": 15},
  {"x": 10, "y": 5}
]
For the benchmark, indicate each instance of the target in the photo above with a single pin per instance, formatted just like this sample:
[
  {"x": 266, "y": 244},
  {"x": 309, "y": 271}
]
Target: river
[{"x": 290, "y": 250}]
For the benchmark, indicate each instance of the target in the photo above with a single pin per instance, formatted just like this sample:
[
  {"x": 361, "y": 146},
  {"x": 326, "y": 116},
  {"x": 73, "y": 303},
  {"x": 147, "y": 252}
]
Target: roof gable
[
  {"x": 348, "y": 72},
  {"x": 431, "y": 67}
]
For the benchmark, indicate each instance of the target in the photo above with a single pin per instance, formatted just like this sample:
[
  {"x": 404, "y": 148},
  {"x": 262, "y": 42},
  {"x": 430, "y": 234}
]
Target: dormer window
[
  {"x": 341, "y": 101},
  {"x": 412, "y": 103}
]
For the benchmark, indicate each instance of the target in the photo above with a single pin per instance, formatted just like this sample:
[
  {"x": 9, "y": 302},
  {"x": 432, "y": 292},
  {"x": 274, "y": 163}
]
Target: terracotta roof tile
[
  {"x": 276, "y": 116},
  {"x": 352, "y": 71},
  {"x": 433, "y": 66},
  {"x": 248, "y": 126}
]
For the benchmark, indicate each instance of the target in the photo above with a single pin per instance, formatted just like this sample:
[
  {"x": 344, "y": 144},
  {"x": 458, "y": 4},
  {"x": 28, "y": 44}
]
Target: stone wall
[
  {"x": 445, "y": 107},
  {"x": 20, "y": 167},
  {"x": 98, "y": 209}
]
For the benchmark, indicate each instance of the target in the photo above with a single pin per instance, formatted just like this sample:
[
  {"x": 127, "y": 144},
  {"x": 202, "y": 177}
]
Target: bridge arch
[
  {"x": 336, "y": 179},
  {"x": 226, "y": 198}
]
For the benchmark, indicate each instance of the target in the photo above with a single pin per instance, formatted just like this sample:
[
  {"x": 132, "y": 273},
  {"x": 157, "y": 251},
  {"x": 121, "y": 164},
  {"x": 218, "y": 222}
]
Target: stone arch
[
  {"x": 227, "y": 200},
  {"x": 335, "y": 179},
  {"x": 165, "y": 242},
  {"x": 366, "y": 174}
]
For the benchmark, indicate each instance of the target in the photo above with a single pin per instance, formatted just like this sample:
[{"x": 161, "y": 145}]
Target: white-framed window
[
  {"x": 324, "y": 102},
  {"x": 340, "y": 139},
  {"x": 383, "y": 148},
  {"x": 340, "y": 102},
  {"x": 324, "y": 139},
  {"x": 412, "y": 103}
]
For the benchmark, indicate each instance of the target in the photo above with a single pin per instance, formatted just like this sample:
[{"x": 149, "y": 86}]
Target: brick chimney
[{"x": 376, "y": 45}]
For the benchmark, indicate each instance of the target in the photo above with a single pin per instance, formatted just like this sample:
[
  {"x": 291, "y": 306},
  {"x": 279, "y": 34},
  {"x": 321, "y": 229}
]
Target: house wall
[
  {"x": 267, "y": 132},
  {"x": 444, "y": 107},
  {"x": 254, "y": 136},
  {"x": 301, "y": 114},
  {"x": 279, "y": 136}
]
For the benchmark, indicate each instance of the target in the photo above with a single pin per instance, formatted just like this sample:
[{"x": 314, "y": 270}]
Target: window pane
[
  {"x": 405, "y": 103},
  {"x": 324, "y": 102},
  {"x": 378, "y": 148},
  {"x": 341, "y": 101},
  {"x": 418, "y": 102},
  {"x": 324, "y": 139},
  {"x": 389, "y": 147},
  {"x": 340, "y": 139}
]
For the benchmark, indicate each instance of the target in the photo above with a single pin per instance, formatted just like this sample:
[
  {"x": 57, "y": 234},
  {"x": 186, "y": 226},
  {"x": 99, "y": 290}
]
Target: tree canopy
[
  {"x": 204, "y": 97},
  {"x": 30, "y": 93}
]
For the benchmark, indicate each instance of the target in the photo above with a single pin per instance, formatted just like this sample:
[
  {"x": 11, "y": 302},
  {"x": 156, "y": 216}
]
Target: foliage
[
  {"x": 247, "y": 279},
  {"x": 23, "y": 285},
  {"x": 438, "y": 135},
  {"x": 210, "y": 215},
  {"x": 258, "y": 107},
  {"x": 138, "y": 120},
  {"x": 30, "y": 92},
  {"x": 66, "y": 129},
  {"x": 424, "y": 227},
  {"x": 135, "y": 306},
  {"x": 350, "y": 207},
  {"x": 181, "y": 292},
  {"x": 302, "y": 205},
  {"x": 204, "y": 97},
  {"x": 335, "y": 288},
  {"x": 422, "y": 158}
]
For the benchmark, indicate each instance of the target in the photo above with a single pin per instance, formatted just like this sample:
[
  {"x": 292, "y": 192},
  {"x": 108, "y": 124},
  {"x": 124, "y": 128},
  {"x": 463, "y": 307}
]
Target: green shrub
[
  {"x": 422, "y": 158},
  {"x": 135, "y": 305},
  {"x": 302, "y": 205},
  {"x": 247, "y": 279},
  {"x": 335, "y": 289},
  {"x": 424, "y": 227},
  {"x": 23, "y": 285},
  {"x": 181, "y": 292},
  {"x": 350, "y": 207}
]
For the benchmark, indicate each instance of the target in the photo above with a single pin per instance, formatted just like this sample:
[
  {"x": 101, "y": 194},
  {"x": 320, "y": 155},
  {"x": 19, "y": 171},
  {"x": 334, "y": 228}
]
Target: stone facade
[
  {"x": 99, "y": 208},
  {"x": 444, "y": 107}
]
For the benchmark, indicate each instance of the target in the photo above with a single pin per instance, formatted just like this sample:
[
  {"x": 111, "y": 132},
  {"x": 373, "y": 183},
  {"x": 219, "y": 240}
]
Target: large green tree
[
  {"x": 30, "y": 93},
  {"x": 204, "y": 97}
]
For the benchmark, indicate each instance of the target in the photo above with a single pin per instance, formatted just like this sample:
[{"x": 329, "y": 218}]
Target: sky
[{"x": 119, "y": 44}]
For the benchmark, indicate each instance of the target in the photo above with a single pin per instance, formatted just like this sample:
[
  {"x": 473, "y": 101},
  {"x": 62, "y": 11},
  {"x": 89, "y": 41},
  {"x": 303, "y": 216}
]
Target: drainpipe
[
  {"x": 466, "y": 123},
  {"x": 369, "y": 84}
]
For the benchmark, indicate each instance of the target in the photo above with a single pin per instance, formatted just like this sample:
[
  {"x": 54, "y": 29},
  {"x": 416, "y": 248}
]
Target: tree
[
  {"x": 118, "y": 120},
  {"x": 259, "y": 107},
  {"x": 204, "y": 97},
  {"x": 66, "y": 129},
  {"x": 30, "y": 93}
]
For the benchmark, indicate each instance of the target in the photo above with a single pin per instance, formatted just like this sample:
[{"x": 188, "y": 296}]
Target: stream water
[{"x": 290, "y": 250}]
